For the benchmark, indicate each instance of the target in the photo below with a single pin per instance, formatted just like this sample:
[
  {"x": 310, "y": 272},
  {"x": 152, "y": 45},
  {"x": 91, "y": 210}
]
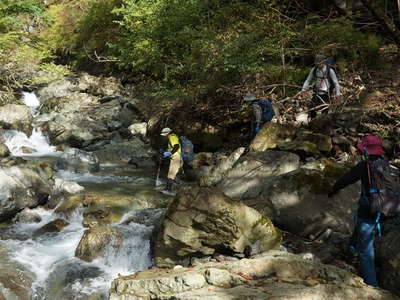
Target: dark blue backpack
[
  {"x": 267, "y": 110},
  {"x": 187, "y": 147}
]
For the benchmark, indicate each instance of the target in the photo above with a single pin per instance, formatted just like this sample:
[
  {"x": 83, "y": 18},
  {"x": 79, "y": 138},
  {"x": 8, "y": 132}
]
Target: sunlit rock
[
  {"x": 95, "y": 241},
  {"x": 18, "y": 117},
  {"x": 271, "y": 135},
  {"x": 203, "y": 221},
  {"x": 250, "y": 173},
  {"x": 272, "y": 275},
  {"x": 216, "y": 173},
  {"x": 4, "y": 151},
  {"x": 24, "y": 185}
]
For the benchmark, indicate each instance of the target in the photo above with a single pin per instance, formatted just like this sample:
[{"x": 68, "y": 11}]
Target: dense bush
[{"x": 194, "y": 46}]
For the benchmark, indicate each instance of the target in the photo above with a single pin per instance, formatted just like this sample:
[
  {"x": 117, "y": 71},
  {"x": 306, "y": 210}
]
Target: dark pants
[
  {"x": 317, "y": 100},
  {"x": 363, "y": 239}
]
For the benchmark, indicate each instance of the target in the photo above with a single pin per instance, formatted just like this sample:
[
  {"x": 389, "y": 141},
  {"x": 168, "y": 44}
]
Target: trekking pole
[{"x": 158, "y": 172}]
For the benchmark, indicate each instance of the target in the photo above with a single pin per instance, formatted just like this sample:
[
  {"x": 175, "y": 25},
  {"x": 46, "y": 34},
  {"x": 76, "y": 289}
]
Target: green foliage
[
  {"x": 12, "y": 13},
  {"x": 339, "y": 38}
]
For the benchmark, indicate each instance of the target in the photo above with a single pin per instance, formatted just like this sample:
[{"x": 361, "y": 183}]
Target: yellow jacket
[{"x": 173, "y": 139}]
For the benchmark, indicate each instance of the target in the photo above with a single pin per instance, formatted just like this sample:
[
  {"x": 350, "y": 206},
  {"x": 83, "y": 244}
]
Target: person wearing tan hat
[
  {"x": 368, "y": 222},
  {"x": 324, "y": 77},
  {"x": 173, "y": 152}
]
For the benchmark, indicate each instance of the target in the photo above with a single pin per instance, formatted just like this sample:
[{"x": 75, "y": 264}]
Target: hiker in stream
[
  {"x": 368, "y": 219},
  {"x": 262, "y": 112},
  {"x": 325, "y": 84},
  {"x": 173, "y": 153}
]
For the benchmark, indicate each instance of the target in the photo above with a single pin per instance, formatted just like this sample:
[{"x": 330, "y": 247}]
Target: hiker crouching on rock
[
  {"x": 173, "y": 152},
  {"x": 367, "y": 225},
  {"x": 262, "y": 112},
  {"x": 326, "y": 84}
]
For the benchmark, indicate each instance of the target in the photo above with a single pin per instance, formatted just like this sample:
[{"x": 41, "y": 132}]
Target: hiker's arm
[
  {"x": 257, "y": 112},
  {"x": 335, "y": 82},
  {"x": 175, "y": 148},
  {"x": 350, "y": 177},
  {"x": 307, "y": 83}
]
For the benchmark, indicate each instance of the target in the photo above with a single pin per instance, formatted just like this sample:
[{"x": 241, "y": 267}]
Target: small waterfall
[
  {"x": 37, "y": 143},
  {"x": 31, "y": 101}
]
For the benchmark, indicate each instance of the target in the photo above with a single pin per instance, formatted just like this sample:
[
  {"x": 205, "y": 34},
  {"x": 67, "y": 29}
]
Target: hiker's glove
[
  {"x": 167, "y": 154},
  {"x": 257, "y": 129}
]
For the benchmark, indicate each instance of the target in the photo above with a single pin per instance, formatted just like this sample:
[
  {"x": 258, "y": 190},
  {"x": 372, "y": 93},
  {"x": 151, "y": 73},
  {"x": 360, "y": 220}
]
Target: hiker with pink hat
[{"x": 367, "y": 225}]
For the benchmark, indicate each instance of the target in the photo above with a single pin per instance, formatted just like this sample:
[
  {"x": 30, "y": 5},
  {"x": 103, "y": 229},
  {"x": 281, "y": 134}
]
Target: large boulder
[
  {"x": 95, "y": 241},
  {"x": 75, "y": 129},
  {"x": 75, "y": 160},
  {"x": 300, "y": 202},
  {"x": 389, "y": 255},
  {"x": 24, "y": 185},
  {"x": 18, "y": 117},
  {"x": 134, "y": 151},
  {"x": 273, "y": 134},
  {"x": 215, "y": 173},
  {"x": 309, "y": 143},
  {"x": 273, "y": 275},
  {"x": 249, "y": 174},
  {"x": 203, "y": 221},
  {"x": 85, "y": 83}
]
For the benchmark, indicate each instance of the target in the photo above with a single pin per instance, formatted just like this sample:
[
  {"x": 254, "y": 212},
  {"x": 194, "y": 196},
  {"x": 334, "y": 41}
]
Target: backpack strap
[{"x": 374, "y": 191}]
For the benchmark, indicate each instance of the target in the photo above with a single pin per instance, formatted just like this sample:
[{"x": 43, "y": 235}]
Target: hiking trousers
[
  {"x": 364, "y": 238},
  {"x": 175, "y": 164},
  {"x": 317, "y": 100}
]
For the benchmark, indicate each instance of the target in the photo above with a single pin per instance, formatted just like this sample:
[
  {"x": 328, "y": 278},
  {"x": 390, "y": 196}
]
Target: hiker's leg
[
  {"x": 174, "y": 166},
  {"x": 366, "y": 252},
  {"x": 325, "y": 98},
  {"x": 315, "y": 101}
]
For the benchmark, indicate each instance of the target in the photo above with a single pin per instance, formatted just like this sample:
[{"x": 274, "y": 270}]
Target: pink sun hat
[{"x": 371, "y": 144}]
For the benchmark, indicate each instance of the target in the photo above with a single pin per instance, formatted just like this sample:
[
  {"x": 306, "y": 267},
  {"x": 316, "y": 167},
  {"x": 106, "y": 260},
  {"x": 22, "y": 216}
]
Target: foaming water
[
  {"x": 51, "y": 257},
  {"x": 31, "y": 101},
  {"x": 19, "y": 143}
]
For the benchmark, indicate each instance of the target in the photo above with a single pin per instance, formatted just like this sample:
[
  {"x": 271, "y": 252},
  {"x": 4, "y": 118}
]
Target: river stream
[{"x": 50, "y": 258}]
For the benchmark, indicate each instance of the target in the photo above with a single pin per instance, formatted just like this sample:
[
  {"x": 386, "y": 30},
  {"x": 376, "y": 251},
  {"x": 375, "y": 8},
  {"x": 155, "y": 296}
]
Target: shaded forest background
[{"x": 204, "y": 53}]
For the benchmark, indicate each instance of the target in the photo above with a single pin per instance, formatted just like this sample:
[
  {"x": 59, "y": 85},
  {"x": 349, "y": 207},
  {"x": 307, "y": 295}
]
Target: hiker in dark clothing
[
  {"x": 262, "y": 112},
  {"x": 367, "y": 222},
  {"x": 325, "y": 78}
]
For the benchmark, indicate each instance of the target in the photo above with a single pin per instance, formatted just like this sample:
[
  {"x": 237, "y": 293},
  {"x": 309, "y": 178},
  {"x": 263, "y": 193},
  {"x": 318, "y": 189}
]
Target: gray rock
[
  {"x": 250, "y": 173},
  {"x": 24, "y": 185},
  {"x": 274, "y": 275},
  {"x": 95, "y": 241},
  {"x": 203, "y": 221},
  {"x": 18, "y": 117}
]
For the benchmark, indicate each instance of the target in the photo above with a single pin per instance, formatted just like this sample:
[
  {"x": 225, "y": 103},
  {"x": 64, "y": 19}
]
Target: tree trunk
[
  {"x": 398, "y": 9},
  {"x": 387, "y": 23}
]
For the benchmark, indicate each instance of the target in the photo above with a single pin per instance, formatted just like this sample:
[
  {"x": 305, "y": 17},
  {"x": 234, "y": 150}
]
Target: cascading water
[
  {"x": 19, "y": 143},
  {"x": 37, "y": 144},
  {"x": 31, "y": 101},
  {"x": 50, "y": 256}
]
